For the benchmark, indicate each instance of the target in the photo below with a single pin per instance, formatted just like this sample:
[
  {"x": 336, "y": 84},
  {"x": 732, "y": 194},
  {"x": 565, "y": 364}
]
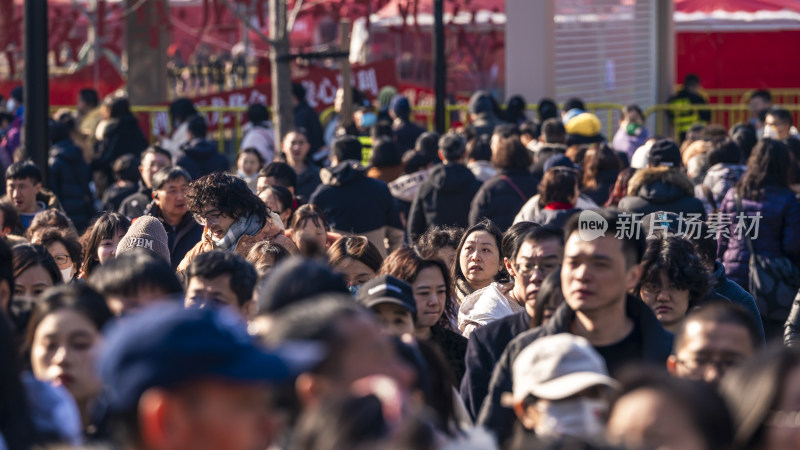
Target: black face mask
[{"x": 20, "y": 313}]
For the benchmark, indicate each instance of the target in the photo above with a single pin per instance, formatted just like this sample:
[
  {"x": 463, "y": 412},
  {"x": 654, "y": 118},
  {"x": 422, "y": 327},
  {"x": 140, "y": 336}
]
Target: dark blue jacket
[
  {"x": 406, "y": 134},
  {"x": 135, "y": 204},
  {"x": 202, "y": 158},
  {"x": 352, "y": 202},
  {"x": 732, "y": 292},
  {"x": 778, "y": 231},
  {"x": 69, "y": 179},
  {"x": 181, "y": 238},
  {"x": 656, "y": 347},
  {"x": 443, "y": 199},
  {"x": 484, "y": 348},
  {"x": 307, "y": 182},
  {"x": 498, "y": 201}
]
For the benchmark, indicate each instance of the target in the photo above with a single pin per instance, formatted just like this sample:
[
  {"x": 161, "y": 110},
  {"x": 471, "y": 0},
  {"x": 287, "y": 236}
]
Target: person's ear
[
  {"x": 310, "y": 389},
  {"x": 249, "y": 309},
  {"x": 154, "y": 194},
  {"x": 509, "y": 267},
  {"x": 632, "y": 277},
  {"x": 528, "y": 417},
  {"x": 141, "y": 169},
  {"x": 672, "y": 365},
  {"x": 5, "y": 295},
  {"x": 441, "y": 155},
  {"x": 37, "y": 187},
  {"x": 161, "y": 420}
]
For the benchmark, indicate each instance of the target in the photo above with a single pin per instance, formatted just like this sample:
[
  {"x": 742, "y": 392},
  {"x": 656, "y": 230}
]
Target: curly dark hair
[
  {"x": 437, "y": 237},
  {"x": 678, "y": 258},
  {"x": 227, "y": 193}
]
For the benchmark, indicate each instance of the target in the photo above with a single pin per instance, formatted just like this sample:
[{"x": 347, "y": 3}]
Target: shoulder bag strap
[
  {"x": 740, "y": 211},
  {"x": 514, "y": 186}
]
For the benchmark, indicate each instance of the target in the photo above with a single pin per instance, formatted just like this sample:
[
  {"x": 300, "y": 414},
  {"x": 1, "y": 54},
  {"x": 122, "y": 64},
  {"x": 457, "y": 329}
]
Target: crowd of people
[{"x": 517, "y": 282}]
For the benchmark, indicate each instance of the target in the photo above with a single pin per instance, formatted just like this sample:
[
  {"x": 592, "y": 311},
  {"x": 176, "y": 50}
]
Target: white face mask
[
  {"x": 11, "y": 105},
  {"x": 770, "y": 132},
  {"x": 66, "y": 274},
  {"x": 580, "y": 417}
]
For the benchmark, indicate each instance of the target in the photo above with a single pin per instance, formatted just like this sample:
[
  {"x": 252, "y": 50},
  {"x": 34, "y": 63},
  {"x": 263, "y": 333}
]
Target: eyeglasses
[
  {"x": 531, "y": 267},
  {"x": 701, "y": 365},
  {"x": 209, "y": 217},
  {"x": 62, "y": 259}
]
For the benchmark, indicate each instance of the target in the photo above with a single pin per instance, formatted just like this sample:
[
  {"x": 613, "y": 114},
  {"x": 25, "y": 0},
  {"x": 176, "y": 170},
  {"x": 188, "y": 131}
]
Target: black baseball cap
[
  {"x": 664, "y": 153},
  {"x": 387, "y": 289}
]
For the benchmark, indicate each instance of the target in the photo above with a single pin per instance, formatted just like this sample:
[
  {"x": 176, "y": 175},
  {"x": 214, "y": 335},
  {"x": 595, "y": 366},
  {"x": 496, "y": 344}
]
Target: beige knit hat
[{"x": 146, "y": 233}]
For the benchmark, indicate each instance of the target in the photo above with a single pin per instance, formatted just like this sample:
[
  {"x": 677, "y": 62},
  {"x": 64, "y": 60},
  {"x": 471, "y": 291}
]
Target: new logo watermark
[{"x": 592, "y": 225}]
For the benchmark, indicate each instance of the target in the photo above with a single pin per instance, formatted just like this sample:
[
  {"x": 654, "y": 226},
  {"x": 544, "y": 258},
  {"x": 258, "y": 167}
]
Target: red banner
[{"x": 321, "y": 85}]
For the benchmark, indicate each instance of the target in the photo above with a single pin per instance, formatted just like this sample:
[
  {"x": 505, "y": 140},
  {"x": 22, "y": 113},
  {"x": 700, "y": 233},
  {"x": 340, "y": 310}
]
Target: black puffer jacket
[
  {"x": 69, "y": 179},
  {"x": 121, "y": 137},
  {"x": 499, "y": 201},
  {"x": 202, "y": 158},
  {"x": 443, "y": 199},
  {"x": 661, "y": 189},
  {"x": 134, "y": 205},
  {"x": 354, "y": 203}
]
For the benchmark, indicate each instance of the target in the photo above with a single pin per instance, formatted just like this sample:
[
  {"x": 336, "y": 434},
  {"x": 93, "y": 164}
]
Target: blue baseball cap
[
  {"x": 166, "y": 345},
  {"x": 559, "y": 160}
]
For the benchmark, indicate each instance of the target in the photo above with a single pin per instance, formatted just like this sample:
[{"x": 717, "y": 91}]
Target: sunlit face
[
  {"x": 665, "y": 299},
  {"x": 594, "y": 274},
  {"x": 709, "y": 349},
  {"x": 63, "y": 352},
  {"x": 152, "y": 163},
  {"x": 430, "y": 294},
  {"x": 171, "y": 198},
  {"x": 394, "y": 319},
  {"x": 204, "y": 292},
  {"x": 533, "y": 263},
  {"x": 295, "y": 148},
  {"x": 22, "y": 193},
  {"x": 62, "y": 258},
  {"x": 273, "y": 203},
  {"x": 355, "y": 272},
  {"x": 107, "y": 249},
  {"x": 217, "y": 222},
  {"x": 28, "y": 286},
  {"x": 646, "y": 418},
  {"x": 248, "y": 164},
  {"x": 781, "y": 130},
  {"x": 479, "y": 259}
]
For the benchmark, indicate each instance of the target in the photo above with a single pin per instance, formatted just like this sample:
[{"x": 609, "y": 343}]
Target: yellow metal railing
[{"x": 725, "y": 114}]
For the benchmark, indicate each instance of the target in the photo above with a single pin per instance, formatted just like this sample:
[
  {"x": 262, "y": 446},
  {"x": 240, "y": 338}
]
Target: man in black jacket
[
  {"x": 597, "y": 273},
  {"x": 152, "y": 160},
  {"x": 554, "y": 142},
  {"x": 200, "y": 156},
  {"x": 169, "y": 206},
  {"x": 355, "y": 204},
  {"x": 445, "y": 197}
]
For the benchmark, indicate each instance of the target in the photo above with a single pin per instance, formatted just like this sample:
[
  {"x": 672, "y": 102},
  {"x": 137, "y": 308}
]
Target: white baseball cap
[{"x": 556, "y": 367}]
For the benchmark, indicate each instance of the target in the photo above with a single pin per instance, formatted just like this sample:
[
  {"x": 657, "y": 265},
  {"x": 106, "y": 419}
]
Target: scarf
[{"x": 247, "y": 224}]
